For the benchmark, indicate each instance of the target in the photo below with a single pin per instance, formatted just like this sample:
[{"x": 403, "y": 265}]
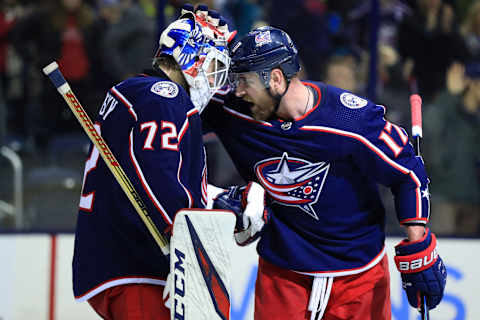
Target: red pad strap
[
  {"x": 419, "y": 261},
  {"x": 245, "y": 195}
]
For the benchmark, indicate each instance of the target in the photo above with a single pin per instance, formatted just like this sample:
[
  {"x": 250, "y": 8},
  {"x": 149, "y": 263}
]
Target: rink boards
[{"x": 36, "y": 280}]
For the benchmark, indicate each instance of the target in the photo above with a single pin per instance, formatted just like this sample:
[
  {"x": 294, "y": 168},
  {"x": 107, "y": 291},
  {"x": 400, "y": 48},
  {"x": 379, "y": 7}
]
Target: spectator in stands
[
  {"x": 59, "y": 30},
  {"x": 341, "y": 72},
  {"x": 471, "y": 31},
  {"x": 452, "y": 152},
  {"x": 307, "y": 22},
  {"x": 429, "y": 42},
  {"x": 463, "y": 7},
  {"x": 149, "y": 7},
  {"x": 129, "y": 39},
  {"x": 246, "y": 14},
  {"x": 391, "y": 14},
  {"x": 11, "y": 82},
  {"x": 109, "y": 12}
]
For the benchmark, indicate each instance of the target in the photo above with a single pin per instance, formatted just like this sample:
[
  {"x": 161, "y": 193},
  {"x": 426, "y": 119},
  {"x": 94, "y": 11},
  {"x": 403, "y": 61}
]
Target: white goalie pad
[{"x": 200, "y": 264}]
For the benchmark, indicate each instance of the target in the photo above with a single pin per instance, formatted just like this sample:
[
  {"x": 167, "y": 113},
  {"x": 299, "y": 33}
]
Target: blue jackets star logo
[{"x": 293, "y": 181}]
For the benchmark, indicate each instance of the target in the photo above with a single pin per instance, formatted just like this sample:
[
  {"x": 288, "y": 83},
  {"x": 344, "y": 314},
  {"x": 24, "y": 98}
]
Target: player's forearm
[{"x": 415, "y": 232}]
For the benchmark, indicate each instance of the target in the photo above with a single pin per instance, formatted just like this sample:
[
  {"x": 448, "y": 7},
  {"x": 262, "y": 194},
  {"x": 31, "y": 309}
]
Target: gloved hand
[
  {"x": 248, "y": 204},
  {"x": 231, "y": 199},
  {"x": 167, "y": 299},
  {"x": 422, "y": 270},
  {"x": 211, "y": 19}
]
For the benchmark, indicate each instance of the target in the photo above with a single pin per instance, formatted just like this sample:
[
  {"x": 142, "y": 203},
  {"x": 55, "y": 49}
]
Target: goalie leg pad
[{"x": 200, "y": 263}]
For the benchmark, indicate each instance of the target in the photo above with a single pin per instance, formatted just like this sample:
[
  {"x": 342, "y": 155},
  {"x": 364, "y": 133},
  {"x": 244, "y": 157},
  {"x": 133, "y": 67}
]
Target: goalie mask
[{"x": 198, "y": 43}]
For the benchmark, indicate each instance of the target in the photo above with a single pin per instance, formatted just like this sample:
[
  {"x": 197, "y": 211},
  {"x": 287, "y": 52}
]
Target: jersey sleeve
[{"x": 383, "y": 151}]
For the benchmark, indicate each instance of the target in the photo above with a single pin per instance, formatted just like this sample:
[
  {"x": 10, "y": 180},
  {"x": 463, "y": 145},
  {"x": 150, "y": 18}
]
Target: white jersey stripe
[
  {"x": 189, "y": 195},
  {"x": 204, "y": 178},
  {"x": 192, "y": 112},
  {"x": 340, "y": 273},
  {"x": 217, "y": 100},
  {"x": 245, "y": 117},
  {"x": 378, "y": 152},
  {"x": 145, "y": 184},
  {"x": 183, "y": 129},
  {"x": 118, "y": 282},
  {"x": 125, "y": 102}
]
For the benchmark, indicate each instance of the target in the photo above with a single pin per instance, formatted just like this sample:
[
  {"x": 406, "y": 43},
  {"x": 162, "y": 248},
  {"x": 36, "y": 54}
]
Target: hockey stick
[
  {"x": 64, "y": 89},
  {"x": 416, "y": 113}
]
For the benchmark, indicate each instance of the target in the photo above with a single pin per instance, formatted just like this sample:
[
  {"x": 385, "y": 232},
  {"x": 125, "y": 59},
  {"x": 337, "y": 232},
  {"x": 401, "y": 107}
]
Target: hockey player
[
  {"x": 319, "y": 152},
  {"x": 151, "y": 123}
]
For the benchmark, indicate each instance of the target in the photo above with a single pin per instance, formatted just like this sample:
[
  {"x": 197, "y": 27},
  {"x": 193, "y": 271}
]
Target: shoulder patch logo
[
  {"x": 165, "y": 89},
  {"x": 352, "y": 101}
]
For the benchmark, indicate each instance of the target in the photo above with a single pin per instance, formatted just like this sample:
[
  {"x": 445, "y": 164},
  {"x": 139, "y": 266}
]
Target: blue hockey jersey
[
  {"x": 321, "y": 172},
  {"x": 154, "y": 131}
]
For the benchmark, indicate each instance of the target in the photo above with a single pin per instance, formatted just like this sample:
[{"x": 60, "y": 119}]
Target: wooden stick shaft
[{"x": 64, "y": 89}]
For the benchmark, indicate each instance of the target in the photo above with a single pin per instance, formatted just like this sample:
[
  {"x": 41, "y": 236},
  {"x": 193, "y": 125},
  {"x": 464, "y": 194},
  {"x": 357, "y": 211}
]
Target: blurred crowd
[{"x": 382, "y": 49}]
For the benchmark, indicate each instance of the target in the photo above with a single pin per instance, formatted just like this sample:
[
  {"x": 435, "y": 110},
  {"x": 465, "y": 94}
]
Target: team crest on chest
[
  {"x": 165, "y": 89},
  {"x": 293, "y": 181}
]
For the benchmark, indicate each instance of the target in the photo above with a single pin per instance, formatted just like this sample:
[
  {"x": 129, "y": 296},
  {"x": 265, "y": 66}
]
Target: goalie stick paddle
[
  {"x": 416, "y": 114},
  {"x": 55, "y": 75}
]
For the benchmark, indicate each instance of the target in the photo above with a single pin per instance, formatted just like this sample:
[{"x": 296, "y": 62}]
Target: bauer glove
[{"x": 422, "y": 270}]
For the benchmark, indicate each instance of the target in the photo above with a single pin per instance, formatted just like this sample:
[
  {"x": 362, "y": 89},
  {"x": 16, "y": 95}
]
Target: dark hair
[{"x": 168, "y": 63}]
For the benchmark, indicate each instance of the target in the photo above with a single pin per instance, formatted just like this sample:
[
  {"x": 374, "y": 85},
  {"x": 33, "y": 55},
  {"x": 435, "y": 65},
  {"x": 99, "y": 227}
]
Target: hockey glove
[
  {"x": 248, "y": 204},
  {"x": 422, "y": 270},
  {"x": 231, "y": 199},
  {"x": 211, "y": 19}
]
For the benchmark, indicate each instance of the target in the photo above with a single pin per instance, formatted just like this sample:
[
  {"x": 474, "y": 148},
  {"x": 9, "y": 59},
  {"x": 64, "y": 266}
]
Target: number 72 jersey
[{"x": 155, "y": 133}]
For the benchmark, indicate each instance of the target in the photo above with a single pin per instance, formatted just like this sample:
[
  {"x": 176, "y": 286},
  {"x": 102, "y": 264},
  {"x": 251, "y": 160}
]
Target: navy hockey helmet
[{"x": 262, "y": 50}]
